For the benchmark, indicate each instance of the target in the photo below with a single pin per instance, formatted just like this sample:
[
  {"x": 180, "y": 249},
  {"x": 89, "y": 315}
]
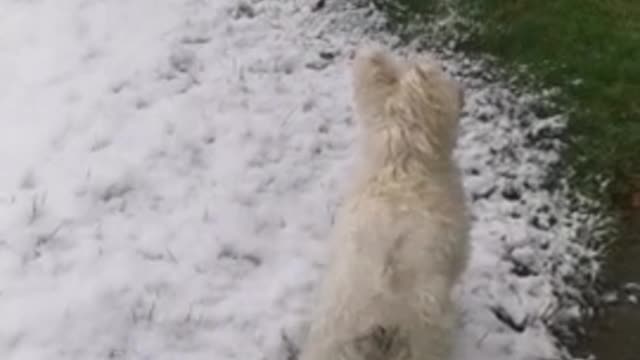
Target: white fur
[{"x": 400, "y": 239}]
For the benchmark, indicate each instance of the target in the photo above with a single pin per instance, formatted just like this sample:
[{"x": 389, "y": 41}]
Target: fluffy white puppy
[{"x": 400, "y": 240}]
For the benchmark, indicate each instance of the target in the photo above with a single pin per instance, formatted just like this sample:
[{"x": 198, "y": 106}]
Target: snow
[{"x": 170, "y": 171}]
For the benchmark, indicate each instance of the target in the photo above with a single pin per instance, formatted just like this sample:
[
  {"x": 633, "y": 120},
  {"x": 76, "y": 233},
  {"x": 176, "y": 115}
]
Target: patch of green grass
[{"x": 590, "y": 49}]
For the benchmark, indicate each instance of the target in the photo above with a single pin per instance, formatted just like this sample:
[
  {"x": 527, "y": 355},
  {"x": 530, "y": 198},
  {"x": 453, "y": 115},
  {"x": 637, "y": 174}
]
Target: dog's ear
[
  {"x": 376, "y": 75},
  {"x": 426, "y": 70},
  {"x": 376, "y": 65},
  {"x": 431, "y": 72}
]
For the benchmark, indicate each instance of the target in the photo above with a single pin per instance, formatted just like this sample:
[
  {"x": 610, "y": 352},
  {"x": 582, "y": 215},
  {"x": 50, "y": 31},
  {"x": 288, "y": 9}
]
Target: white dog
[{"x": 400, "y": 241}]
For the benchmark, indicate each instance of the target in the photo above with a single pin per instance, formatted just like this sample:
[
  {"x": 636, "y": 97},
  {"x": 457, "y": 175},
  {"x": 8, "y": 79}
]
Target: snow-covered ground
[{"x": 170, "y": 170}]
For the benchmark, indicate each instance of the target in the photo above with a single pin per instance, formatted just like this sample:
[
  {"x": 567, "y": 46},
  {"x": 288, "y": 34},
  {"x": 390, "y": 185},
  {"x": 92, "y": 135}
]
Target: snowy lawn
[{"x": 170, "y": 170}]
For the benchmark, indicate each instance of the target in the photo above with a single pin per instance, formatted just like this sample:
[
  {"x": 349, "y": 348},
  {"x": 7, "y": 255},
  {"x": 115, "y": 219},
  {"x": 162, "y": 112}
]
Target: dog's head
[{"x": 415, "y": 95}]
